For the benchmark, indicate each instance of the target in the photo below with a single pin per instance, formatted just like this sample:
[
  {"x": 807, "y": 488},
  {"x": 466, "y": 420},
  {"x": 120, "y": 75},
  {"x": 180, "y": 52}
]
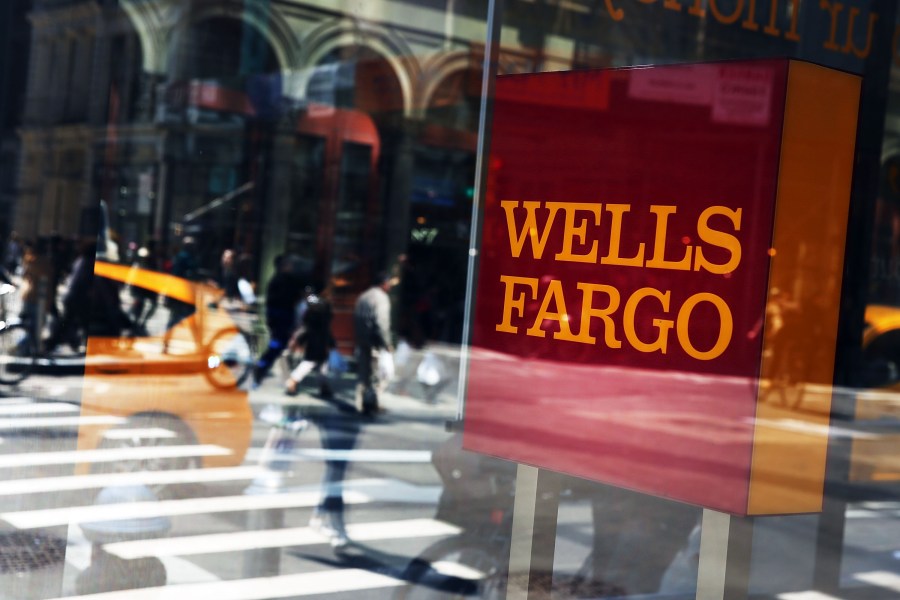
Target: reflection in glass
[{"x": 136, "y": 451}]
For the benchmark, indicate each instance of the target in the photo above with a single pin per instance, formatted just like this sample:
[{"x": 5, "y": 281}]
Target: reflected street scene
[{"x": 445, "y": 299}]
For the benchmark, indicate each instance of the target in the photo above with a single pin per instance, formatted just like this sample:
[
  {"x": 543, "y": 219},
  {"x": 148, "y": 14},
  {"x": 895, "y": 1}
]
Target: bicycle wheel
[
  {"x": 18, "y": 353},
  {"x": 458, "y": 567},
  {"x": 230, "y": 357}
]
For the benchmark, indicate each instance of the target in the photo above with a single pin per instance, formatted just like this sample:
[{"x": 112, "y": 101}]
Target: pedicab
[{"x": 172, "y": 387}]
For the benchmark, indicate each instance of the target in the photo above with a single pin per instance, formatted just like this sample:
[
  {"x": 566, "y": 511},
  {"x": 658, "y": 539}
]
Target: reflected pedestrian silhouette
[
  {"x": 185, "y": 266},
  {"x": 372, "y": 330},
  {"x": 314, "y": 336},
  {"x": 282, "y": 295}
]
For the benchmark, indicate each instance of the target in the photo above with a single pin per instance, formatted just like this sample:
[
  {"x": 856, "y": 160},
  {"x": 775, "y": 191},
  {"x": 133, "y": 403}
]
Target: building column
[
  {"x": 396, "y": 216},
  {"x": 280, "y": 198}
]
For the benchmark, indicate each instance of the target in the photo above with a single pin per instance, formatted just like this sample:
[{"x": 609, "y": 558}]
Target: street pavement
[
  {"x": 391, "y": 493},
  {"x": 218, "y": 538}
]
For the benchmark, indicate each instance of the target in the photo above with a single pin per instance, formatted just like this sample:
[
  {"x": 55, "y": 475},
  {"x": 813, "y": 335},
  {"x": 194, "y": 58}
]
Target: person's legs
[
  {"x": 278, "y": 341},
  {"x": 367, "y": 380},
  {"x": 147, "y": 315},
  {"x": 325, "y": 390},
  {"x": 339, "y": 433},
  {"x": 63, "y": 327},
  {"x": 137, "y": 307},
  {"x": 178, "y": 312},
  {"x": 281, "y": 325}
]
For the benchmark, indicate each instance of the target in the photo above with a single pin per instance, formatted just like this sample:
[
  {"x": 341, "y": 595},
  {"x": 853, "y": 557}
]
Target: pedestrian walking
[
  {"x": 282, "y": 295},
  {"x": 372, "y": 330},
  {"x": 185, "y": 266},
  {"x": 315, "y": 337}
]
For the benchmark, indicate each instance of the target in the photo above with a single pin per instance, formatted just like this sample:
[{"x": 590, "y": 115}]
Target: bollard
[
  {"x": 108, "y": 573},
  {"x": 276, "y": 460}
]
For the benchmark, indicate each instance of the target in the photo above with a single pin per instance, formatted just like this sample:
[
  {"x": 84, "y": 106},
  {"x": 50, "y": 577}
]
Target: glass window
[{"x": 260, "y": 334}]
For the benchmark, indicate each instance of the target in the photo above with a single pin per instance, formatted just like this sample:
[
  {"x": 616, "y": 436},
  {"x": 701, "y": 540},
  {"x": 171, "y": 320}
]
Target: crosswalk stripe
[
  {"x": 37, "y": 408},
  {"x": 806, "y": 595},
  {"x": 275, "y": 538},
  {"x": 259, "y": 588},
  {"x": 882, "y": 579},
  {"x": 15, "y": 400},
  {"x": 51, "y": 517},
  {"x": 357, "y": 456},
  {"x": 32, "y": 459},
  {"x": 179, "y": 570},
  {"x": 139, "y": 433},
  {"x": 99, "y": 480},
  {"x": 52, "y": 422}
]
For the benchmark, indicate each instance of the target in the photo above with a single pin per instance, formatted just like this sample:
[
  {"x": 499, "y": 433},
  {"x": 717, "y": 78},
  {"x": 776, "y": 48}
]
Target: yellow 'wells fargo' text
[{"x": 580, "y": 243}]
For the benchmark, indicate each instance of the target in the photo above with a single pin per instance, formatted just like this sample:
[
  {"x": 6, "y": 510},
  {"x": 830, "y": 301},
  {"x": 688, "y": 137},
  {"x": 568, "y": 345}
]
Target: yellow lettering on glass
[
  {"x": 662, "y": 325},
  {"x": 589, "y": 311},
  {"x": 726, "y": 326},
  {"x": 615, "y": 240},
  {"x": 658, "y": 261},
  {"x": 511, "y": 301},
  {"x": 720, "y": 239},
  {"x": 554, "y": 294},
  {"x": 529, "y": 229},
  {"x": 573, "y": 231}
]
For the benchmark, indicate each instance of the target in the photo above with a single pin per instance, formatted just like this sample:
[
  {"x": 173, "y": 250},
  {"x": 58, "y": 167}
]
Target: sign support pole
[
  {"x": 533, "y": 540},
  {"x": 725, "y": 547}
]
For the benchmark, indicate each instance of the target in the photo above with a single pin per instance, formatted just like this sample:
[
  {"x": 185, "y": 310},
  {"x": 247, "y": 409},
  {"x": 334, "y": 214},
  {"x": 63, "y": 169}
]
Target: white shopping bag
[
  {"x": 402, "y": 354},
  {"x": 430, "y": 370},
  {"x": 385, "y": 365}
]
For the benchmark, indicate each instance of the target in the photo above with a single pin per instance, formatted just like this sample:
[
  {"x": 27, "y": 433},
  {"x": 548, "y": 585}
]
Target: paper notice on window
[
  {"x": 693, "y": 86},
  {"x": 742, "y": 96}
]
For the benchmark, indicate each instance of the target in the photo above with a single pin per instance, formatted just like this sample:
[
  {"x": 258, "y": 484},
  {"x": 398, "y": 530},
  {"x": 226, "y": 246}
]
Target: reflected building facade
[
  {"x": 345, "y": 136},
  {"x": 265, "y": 127}
]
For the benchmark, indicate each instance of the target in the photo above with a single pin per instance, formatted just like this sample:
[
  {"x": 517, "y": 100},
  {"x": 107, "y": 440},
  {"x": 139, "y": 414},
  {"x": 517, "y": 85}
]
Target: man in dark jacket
[{"x": 282, "y": 295}]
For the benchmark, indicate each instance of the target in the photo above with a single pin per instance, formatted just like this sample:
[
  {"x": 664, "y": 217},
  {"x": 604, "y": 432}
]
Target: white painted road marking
[
  {"x": 260, "y": 588},
  {"x": 54, "y": 422},
  {"x": 360, "y": 456},
  {"x": 38, "y": 408},
  {"x": 51, "y": 517},
  {"x": 82, "y": 482},
  {"x": 275, "y": 538},
  {"x": 108, "y": 455}
]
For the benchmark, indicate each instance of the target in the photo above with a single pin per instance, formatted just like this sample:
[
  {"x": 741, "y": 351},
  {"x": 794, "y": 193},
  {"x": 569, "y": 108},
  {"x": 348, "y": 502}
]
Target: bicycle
[
  {"x": 226, "y": 357},
  {"x": 231, "y": 354}
]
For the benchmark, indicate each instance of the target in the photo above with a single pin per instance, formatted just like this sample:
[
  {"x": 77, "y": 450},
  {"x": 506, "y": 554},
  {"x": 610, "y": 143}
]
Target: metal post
[
  {"x": 486, "y": 109},
  {"x": 533, "y": 541},
  {"x": 725, "y": 547}
]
